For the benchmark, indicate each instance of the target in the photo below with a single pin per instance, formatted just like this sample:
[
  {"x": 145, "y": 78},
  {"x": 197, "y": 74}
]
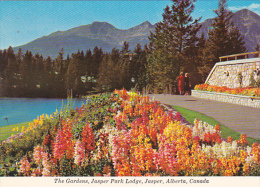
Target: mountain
[
  {"x": 248, "y": 23},
  {"x": 86, "y": 37},
  {"x": 107, "y": 36}
]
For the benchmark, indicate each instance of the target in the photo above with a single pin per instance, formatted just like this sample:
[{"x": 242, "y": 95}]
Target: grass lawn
[
  {"x": 7, "y": 130},
  {"x": 191, "y": 115}
]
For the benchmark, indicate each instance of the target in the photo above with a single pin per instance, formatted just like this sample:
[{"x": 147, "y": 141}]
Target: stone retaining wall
[
  {"x": 228, "y": 98},
  {"x": 226, "y": 73}
]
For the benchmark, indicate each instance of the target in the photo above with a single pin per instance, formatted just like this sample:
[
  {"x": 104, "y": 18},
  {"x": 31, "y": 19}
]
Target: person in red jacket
[{"x": 181, "y": 83}]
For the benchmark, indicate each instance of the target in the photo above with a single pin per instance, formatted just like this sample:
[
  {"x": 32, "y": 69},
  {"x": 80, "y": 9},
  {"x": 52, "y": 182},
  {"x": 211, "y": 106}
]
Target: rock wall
[
  {"x": 227, "y": 98},
  {"x": 227, "y": 73}
]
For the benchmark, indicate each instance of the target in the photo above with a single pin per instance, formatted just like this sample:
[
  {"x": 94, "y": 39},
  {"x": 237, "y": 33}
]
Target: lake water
[{"x": 18, "y": 110}]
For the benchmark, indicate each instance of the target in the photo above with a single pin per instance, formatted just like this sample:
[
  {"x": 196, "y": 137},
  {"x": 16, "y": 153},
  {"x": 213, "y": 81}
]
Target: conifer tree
[
  {"x": 224, "y": 38},
  {"x": 37, "y": 75},
  {"x": 88, "y": 62},
  {"x": 11, "y": 71},
  {"x": 104, "y": 74},
  {"x": 1, "y": 65},
  {"x": 72, "y": 72},
  {"x": 237, "y": 43},
  {"x": 115, "y": 55},
  {"x": 88, "y": 69},
  {"x": 26, "y": 70},
  {"x": 96, "y": 61},
  {"x": 111, "y": 72},
  {"x": 125, "y": 48},
  {"x": 202, "y": 59},
  {"x": 173, "y": 37},
  {"x": 59, "y": 72},
  {"x": 140, "y": 64},
  {"x": 73, "y": 76},
  {"x": 47, "y": 76},
  {"x": 3, "y": 78}
]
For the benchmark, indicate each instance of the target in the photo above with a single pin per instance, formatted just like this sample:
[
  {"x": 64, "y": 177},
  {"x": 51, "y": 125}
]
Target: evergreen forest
[{"x": 174, "y": 47}]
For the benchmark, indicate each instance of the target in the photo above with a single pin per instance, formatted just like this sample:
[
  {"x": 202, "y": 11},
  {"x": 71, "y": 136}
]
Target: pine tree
[
  {"x": 96, "y": 61},
  {"x": 10, "y": 72},
  {"x": 72, "y": 72},
  {"x": 224, "y": 38},
  {"x": 104, "y": 74},
  {"x": 175, "y": 37},
  {"x": 160, "y": 70},
  {"x": 3, "y": 62},
  {"x": 1, "y": 65},
  {"x": 202, "y": 60},
  {"x": 125, "y": 48},
  {"x": 26, "y": 74},
  {"x": 115, "y": 55},
  {"x": 58, "y": 76},
  {"x": 88, "y": 70},
  {"x": 47, "y": 77},
  {"x": 88, "y": 62},
  {"x": 111, "y": 73},
  {"x": 73, "y": 79},
  {"x": 140, "y": 64},
  {"x": 38, "y": 74},
  {"x": 237, "y": 43}
]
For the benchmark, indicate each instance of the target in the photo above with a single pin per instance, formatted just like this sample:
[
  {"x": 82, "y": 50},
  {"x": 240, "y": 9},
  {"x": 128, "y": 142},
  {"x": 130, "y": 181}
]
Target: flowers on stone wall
[{"x": 247, "y": 91}]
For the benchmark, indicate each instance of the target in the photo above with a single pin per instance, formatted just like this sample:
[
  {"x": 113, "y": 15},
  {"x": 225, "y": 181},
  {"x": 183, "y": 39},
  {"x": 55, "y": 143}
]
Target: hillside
[{"x": 106, "y": 36}]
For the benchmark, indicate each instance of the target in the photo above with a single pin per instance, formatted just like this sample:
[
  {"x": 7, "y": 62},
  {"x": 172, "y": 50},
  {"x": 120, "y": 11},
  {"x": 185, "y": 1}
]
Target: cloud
[{"x": 255, "y": 7}]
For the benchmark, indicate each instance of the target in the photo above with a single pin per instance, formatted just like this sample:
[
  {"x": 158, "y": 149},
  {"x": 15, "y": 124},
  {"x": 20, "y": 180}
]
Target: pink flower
[
  {"x": 37, "y": 154},
  {"x": 59, "y": 145},
  {"x": 25, "y": 166},
  {"x": 79, "y": 153}
]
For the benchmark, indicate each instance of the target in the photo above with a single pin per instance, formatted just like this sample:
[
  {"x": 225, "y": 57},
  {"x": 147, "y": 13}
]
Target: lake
[{"x": 18, "y": 110}]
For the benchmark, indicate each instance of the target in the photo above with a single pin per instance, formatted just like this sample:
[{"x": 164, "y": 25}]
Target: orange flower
[{"x": 230, "y": 139}]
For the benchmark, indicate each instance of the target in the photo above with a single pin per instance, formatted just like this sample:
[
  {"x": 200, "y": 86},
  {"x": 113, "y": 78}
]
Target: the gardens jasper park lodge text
[{"x": 135, "y": 181}]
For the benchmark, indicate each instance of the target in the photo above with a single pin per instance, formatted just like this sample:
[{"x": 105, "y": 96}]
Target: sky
[{"x": 24, "y": 21}]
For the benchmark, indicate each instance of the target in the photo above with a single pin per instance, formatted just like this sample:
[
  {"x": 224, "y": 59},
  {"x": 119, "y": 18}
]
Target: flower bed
[
  {"x": 255, "y": 92},
  {"x": 125, "y": 134}
]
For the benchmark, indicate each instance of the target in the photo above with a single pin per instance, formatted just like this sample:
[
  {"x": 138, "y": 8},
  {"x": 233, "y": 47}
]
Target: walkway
[{"x": 242, "y": 119}]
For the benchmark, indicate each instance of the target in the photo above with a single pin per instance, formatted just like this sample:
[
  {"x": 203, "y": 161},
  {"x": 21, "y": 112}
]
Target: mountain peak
[
  {"x": 246, "y": 17},
  {"x": 246, "y": 13},
  {"x": 146, "y": 23},
  {"x": 101, "y": 24}
]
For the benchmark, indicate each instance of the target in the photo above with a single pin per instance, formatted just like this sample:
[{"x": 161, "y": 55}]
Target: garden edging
[{"x": 228, "y": 98}]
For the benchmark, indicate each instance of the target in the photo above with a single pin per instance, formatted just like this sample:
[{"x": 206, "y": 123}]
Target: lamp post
[{"x": 6, "y": 118}]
